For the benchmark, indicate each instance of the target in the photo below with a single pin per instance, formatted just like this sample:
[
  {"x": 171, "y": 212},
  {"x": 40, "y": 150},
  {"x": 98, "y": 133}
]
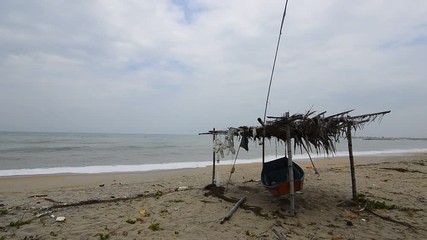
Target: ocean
[{"x": 23, "y": 153}]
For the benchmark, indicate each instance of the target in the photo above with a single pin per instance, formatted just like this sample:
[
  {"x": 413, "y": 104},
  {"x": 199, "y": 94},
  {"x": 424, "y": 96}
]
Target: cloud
[{"x": 187, "y": 66}]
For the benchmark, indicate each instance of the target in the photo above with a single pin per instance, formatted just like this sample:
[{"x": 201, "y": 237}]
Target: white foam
[
  {"x": 183, "y": 165},
  {"x": 103, "y": 169}
]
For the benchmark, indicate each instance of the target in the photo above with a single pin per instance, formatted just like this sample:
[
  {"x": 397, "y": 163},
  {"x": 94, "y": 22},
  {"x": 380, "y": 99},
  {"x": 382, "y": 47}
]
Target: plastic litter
[{"x": 182, "y": 188}]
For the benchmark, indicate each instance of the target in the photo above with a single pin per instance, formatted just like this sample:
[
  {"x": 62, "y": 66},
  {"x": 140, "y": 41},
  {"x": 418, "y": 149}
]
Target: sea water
[{"x": 23, "y": 153}]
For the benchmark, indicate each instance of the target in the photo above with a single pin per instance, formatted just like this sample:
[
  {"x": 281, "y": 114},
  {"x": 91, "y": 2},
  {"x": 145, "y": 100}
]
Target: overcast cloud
[{"x": 187, "y": 66}]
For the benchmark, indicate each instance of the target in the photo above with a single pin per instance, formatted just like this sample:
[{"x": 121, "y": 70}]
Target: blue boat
[{"x": 274, "y": 176}]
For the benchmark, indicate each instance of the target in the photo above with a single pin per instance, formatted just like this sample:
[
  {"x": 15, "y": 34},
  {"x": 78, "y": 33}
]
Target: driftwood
[
  {"x": 99, "y": 201},
  {"x": 403, "y": 170},
  {"x": 387, "y": 218},
  {"x": 234, "y": 209},
  {"x": 280, "y": 236},
  {"x": 218, "y": 192}
]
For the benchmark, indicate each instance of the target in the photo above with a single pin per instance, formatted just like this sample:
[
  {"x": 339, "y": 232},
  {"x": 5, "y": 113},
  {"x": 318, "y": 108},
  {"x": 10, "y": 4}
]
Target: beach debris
[
  {"x": 50, "y": 200},
  {"x": 215, "y": 190},
  {"x": 361, "y": 200},
  {"x": 102, "y": 185},
  {"x": 250, "y": 234},
  {"x": 183, "y": 188},
  {"x": 280, "y": 236},
  {"x": 43, "y": 214},
  {"x": 131, "y": 221},
  {"x": 387, "y": 218},
  {"x": 233, "y": 209},
  {"x": 403, "y": 170},
  {"x": 251, "y": 180},
  {"x": 154, "y": 226},
  {"x": 349, "y": 223},
  {"x": 144, "y": 212},
  {"x": 102, "y": 236},
  {"x": 19, "y": 223},
  {"x": 37, "y": 196},
  {"x": 3, "y": 212},
  {"x": 60, "y": 219},
  {"x": 164, "y": 212},
  {"x": 219, "y": 193},
  {"x": 158, "y": 194},
  {"x": 99, "y": 201}
]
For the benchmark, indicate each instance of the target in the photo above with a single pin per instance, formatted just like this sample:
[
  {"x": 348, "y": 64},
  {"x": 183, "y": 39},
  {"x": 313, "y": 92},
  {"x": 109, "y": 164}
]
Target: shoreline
[
  {"x": 6, "y": 182},
  {"x": 147, "y": 168}
]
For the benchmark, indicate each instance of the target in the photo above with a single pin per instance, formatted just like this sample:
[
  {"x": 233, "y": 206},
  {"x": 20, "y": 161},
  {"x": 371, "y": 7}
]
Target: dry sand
[{"x": 174, "y": 204}]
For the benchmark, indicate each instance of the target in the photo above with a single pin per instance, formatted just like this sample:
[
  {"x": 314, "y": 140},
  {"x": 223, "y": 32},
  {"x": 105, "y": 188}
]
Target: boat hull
[{"x": 274, "y": 177}]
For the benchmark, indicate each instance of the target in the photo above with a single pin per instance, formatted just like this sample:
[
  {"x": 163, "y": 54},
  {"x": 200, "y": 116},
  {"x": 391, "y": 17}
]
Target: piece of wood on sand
[
  {"x": 232, "y": 210},
  {"x": 280, "y": 236}
]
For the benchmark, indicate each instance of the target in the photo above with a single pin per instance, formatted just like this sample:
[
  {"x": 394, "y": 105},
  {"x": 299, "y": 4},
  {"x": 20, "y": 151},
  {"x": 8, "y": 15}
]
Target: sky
[{"x": 185, "y": 67}]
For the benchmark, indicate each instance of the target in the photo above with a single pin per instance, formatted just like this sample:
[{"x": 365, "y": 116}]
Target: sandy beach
[{"x": 175, "y": 204}]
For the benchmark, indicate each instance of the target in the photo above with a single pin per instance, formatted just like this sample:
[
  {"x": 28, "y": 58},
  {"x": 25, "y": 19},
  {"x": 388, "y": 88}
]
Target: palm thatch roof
[{"x": 310, "y": 131}]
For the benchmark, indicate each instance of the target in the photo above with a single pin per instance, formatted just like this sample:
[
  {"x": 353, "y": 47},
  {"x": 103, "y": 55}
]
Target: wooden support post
[
  {"x": 263, "y": 150},
  {"x": 350, "y": 153},
  {"x": 213, "y": 157},
  {"x": 263, "y": 140},
  {"x": 290, "y": 169}
]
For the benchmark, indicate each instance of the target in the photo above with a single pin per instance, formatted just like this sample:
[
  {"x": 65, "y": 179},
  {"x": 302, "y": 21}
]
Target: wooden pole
[
  {"x": 263, "y": 139},
  {"x": 213, "y": 157},
  {"x": 290, "y": 169},
  {"x": 350, "y": 153},
  {"x": 263, "y": 151}
]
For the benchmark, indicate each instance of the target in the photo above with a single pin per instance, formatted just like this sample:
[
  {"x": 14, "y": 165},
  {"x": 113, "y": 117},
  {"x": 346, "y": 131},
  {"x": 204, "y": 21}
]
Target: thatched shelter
[{"x": 311, "y": 132}]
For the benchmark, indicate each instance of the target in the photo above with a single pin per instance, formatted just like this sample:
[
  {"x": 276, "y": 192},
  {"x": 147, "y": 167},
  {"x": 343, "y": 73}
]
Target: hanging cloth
[
  {"x": 244, "y": 143},
  {"x": 218, "y": 149}
]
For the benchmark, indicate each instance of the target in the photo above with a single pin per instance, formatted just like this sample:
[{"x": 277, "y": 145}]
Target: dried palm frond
[{"x": 310, "y": 131}]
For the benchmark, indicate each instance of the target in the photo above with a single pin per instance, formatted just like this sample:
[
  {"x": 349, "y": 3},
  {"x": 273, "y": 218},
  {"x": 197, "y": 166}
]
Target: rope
[
  {"x": 312, "y": 163},
  {"x": 233, "y": 167}
]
